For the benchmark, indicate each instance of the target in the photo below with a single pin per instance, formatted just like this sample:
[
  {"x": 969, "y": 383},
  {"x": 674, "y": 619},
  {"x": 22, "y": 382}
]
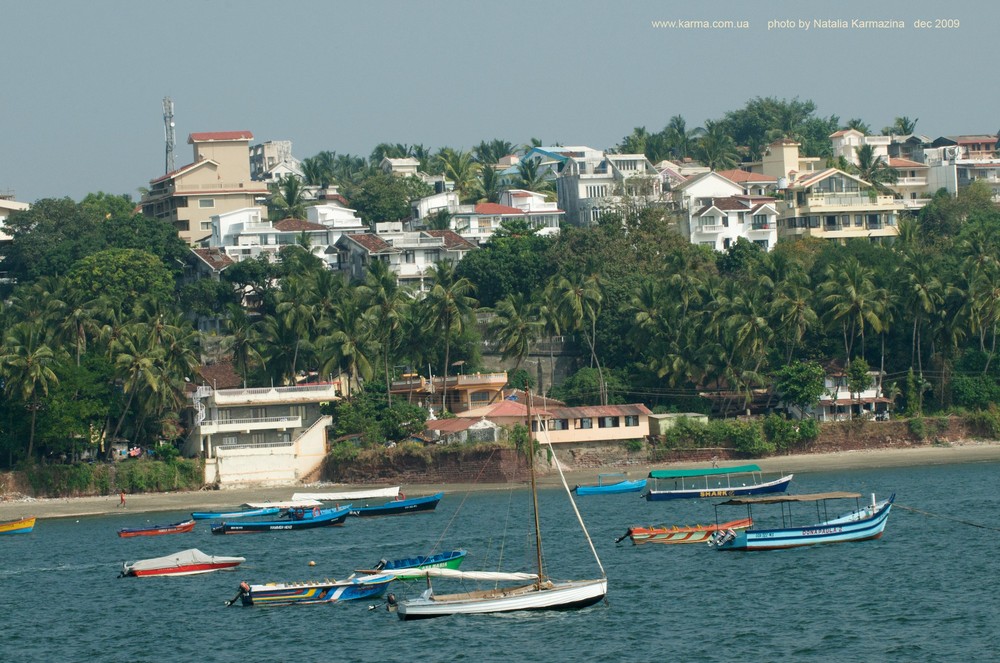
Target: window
[
  {"x": 585, "y": 422},
  {"x": 762, "y": 243},
  {"x": 409, "y": 257},
  {"x": 206, "y": 225},
  {"x": 607, "y": 422},
  {"x": 631, "y": 420},
  {"x": 480, "y": 397},
  {"x": 535, "y": 424},
  {"x": 558, "y": 424},
  {"x": 206, "y": 202}
]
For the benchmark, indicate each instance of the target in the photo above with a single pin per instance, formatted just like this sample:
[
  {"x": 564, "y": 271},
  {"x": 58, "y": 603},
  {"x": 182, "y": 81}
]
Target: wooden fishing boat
[
  {"x": 157, "y": 530},
  {"x": 284, "y": 506},
  {"x": 863, "y": 523},
  {"x": 242, "y": 513},
  {"x": 541, "y": 593},
  {"x": 296, "y": 519},
  {"x": 451, "y": 559},
  {"x": 611, "y": 483},
  {"x": 682, "y": 534},
  {"x": 399, "y": 506},
  {"x": 319, "y": 591},
  {"x": 184, "y": 563},
  {"x": 349, "y": 495},
  {"x": 19, "y": 526},
  {"x": 714, "y": 482}
]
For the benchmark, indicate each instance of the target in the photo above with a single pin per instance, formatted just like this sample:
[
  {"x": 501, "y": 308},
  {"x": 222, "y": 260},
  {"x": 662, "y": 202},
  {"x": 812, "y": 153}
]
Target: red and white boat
[
  {"x": 184, "y": 563},
  {"x": 683, "y": 534}
]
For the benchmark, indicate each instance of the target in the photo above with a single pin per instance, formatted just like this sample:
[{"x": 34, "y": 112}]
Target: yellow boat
[{"x": 22, "y": 526}]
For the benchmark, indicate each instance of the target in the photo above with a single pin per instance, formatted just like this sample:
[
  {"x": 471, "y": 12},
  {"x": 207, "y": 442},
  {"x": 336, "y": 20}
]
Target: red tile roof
[
  {"x": 221, "y": 375},
  {"x": 373, "y": 243},
  {"x": 178, "y": 171},
  {"x": 450, "y": 425},
  {"x": 293, "y": 225},
  {"x": 494, "y": 208},
  {"x": 452, "y": 240},
  {"x": 742, "y": 176},
  {"x": 214, "y": 258},
  {"x": 600, "y": 411},
  {"x": 905, "y": 163},
  {"x": 219, "y": 135}
]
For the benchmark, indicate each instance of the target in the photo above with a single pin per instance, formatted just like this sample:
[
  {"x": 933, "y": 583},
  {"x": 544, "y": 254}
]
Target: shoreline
[{"x": 229, "y": 498}]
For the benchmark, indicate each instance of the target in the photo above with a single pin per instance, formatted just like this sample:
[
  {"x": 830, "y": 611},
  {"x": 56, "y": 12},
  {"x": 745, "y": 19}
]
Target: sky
[{"x": 81, "y": 97}]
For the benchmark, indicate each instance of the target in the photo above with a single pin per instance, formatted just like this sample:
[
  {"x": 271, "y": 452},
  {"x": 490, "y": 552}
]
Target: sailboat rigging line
[
  {"x": 465, "y": 497},
  {"x": 569, "y": 493},
  {"x": 938, "y": 515}
]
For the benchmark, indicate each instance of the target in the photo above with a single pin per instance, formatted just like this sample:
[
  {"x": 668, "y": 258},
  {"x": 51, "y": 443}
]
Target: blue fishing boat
[
  {"x": 451, "y": 559},
  {"x": 399, "y": 506},
  {"x": 294, "y": 519},
  {"x": 611, "y": 483},
  {"x": 318, "y": 591},
  {"x": 244, "y": 513},
  {"x": 714, "y": 482},
  {"x": 861, "y": 524}
]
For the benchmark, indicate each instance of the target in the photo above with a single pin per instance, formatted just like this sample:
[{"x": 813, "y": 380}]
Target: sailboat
[{"x": 532, "y": 591}]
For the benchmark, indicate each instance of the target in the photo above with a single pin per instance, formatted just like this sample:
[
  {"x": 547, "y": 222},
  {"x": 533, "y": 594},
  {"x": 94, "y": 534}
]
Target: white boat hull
[
  {"x": 348, "y": 495},
  {"x": 554, "y": 596}
]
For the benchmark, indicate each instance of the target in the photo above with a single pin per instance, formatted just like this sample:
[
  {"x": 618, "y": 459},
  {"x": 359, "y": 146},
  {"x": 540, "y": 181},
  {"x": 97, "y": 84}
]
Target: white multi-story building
[
  {"x": 409, "y": 254},
  {"x": 260, "y": 436},
  {"x": 592, "y": 183},
  {"x": 273, "y": 160},
  {"x": 717, "y": 211}
]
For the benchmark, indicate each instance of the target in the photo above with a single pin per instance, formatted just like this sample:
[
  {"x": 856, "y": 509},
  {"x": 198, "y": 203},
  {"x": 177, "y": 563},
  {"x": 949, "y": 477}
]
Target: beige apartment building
[{"x": 217, "y": 181}]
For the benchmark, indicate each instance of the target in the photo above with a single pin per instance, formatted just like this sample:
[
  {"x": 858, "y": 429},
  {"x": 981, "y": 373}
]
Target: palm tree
[
  {"x": 351, "y": 342},
  {"x": 288, "y": 198},
  {"x": 529, "y": 178},
  {"x": 281, "y": 346},
  {"x": 490, "y": 185},
  {"x": 489, "y": 153},
  {"x": 460, "y": 167},
  {"x": 26, "y": 366},
  {"x": 515, "y": 327},
  {"x": 795, "y": 315},
  {"x": 635, "y": 142},
  {"x": 318, "y": 170},
  {"x": 579, "y": 306},
  {"x": 137, "y": 367},
  {"x": 852, "y": 300},
  {"x": 679, "y": 138},
  {"x": 874, "y": 170},
  {"x": 923, "y": 294},
  {"x": 716, "y": 149},
  {"x": 388, "y": 304},
  {"x": 859, "y": 125},
  {"x": 242, "y": 338},
  {"x": 446, "y": 310},
  {"x": 904, "y": 126}
]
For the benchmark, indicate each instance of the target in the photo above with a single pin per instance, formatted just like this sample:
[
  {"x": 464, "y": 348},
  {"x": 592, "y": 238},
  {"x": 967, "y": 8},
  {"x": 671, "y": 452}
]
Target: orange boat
[
  {"x": 157, "y": 530},
  {"x": 21, "y": 526},
  {"x": 685, "y": 534}
]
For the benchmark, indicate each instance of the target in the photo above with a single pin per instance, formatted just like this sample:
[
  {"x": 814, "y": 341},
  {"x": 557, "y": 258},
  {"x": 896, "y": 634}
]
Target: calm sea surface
[{"x": 927, "y": 591}]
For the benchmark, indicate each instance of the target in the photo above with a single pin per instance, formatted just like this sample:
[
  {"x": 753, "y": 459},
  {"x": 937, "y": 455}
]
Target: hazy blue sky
[{"x": 83, "y": 81}]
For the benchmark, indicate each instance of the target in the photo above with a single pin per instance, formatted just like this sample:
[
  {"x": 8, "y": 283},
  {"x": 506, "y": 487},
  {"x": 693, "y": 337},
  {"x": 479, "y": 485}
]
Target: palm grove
[{"x": 98, "y": 344}]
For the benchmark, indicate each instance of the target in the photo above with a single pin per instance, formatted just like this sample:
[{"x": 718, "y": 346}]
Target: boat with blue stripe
[
  {"x": 714, "y": 482},
  {"x": 862, "y": 524},
  {"x": 611, "y": 483},
  {"x": 399, "y": 506},
  {"x": 243, "y": 513},
  {"x": 310, "y": 592},
  {"x": 295, "y": 519}
]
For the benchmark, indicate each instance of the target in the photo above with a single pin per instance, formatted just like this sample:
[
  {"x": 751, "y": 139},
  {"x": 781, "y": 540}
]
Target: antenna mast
[{"x": 168, "y": 132}]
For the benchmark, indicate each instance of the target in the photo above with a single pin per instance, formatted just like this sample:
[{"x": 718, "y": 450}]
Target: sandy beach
[{"x": 207, "y": 500}]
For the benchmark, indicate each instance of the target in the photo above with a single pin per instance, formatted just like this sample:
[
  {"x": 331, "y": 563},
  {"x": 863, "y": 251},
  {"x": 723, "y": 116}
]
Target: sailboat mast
[{"x": 534, "y": 489}]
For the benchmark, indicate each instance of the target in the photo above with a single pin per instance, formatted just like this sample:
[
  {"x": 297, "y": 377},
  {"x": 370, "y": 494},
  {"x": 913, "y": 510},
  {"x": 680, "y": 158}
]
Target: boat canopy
[
  {"x": 778, "y": 499},
  {"x": 463, "y": 575},
  {"x": 706, "y": 472}
]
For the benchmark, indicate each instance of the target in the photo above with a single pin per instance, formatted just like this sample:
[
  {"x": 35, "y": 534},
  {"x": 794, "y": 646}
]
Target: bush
[
  {"x": 633, "y": 446},
  {"x": 918, "y": 428},
  {"x": 780, "y": 432},
  {"x": 986, "y": 422}
]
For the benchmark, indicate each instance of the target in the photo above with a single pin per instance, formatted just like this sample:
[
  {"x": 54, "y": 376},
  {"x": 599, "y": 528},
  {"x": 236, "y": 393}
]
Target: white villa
[
  {"x": 262, "y": 436},
  {"x": 717, "y": 211}
]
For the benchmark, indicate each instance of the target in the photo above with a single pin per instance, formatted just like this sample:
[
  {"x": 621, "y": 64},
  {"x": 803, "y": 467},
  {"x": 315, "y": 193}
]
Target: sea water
[{"x": 926, "y": 591}]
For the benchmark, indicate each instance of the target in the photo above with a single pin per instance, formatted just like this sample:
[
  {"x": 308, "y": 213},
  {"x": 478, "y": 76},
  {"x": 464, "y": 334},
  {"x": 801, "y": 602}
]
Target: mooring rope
[{"x": 938, "y": 515}]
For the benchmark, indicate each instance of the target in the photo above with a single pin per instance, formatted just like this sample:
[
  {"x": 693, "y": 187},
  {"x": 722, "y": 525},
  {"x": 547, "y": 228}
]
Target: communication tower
[{"x": 168, "y": 131}]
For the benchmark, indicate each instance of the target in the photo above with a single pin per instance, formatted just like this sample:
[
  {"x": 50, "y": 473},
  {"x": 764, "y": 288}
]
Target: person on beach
[{"x": 121, "y": 496}]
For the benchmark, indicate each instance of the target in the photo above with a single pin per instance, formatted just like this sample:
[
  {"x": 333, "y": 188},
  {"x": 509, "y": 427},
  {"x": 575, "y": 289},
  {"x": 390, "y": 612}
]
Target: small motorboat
[
  {"x": 184, "y": 563},
  {"x": 318, "y": 591},
  {"x": 242, "y": 513},
  {"x": 297, "y": 519},
  {"x": 451, "y": 559},
  {"x": 19, "y": 526},
  {"x": 157, "y": 530},
  {"x": 399, "y": 506}
]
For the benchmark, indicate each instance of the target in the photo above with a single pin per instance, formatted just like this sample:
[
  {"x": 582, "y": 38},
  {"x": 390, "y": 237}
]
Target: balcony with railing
[
  {"x": 766, "y": 225},
  {"x": 311, "y": 393},
  {"x": 248, "y": 425},
  {"x": 819, "y": 202},
  {"x": 709, "y": 227},
  {"x": 910, "y": 181}
]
